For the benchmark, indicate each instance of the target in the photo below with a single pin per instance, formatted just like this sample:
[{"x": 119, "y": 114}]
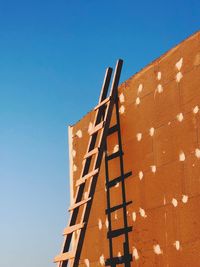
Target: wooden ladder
[
  {"x": 112, "y": 235},
  {"x": 80, "y": 210}
]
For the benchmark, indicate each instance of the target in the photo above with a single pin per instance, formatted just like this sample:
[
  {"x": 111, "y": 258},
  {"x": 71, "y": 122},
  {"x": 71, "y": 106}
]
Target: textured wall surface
[{"x": 160, "y": 124}]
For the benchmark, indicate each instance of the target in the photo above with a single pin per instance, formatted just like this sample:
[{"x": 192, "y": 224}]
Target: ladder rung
[
  {"x": 117, "y": 207},
  {"x": 118, "y": 260},
  {"x": 91, "y": 152},
  {"x": 113, "y": 129},
  {"x": 84, "y": 178},
  {"x": 77, "y": 205},
  {"x": 97, "y": 128},
  {"x": 118, "y": 232},
  {"x": 64, "y": 256},
  {"x": 114, "y": 155},
  {"x": 118, "y": 179},
  {"x": 73, "y": 228},
  {"x": 102, "y": 103}
]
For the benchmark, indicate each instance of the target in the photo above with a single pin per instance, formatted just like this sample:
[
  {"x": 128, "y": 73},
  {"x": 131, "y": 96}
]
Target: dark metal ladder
[
  {"x": 126, "y": 258},
  {"x": 80, "y": 210}
]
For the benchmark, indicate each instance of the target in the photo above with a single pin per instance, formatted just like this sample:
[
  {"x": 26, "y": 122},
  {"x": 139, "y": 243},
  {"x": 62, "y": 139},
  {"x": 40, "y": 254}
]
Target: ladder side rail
[
  {"x": 85, "y": 169},
  {"x": 106, "y": 83},
  {"x": 80, "y": 191},
  {"x": 115, "y": 81}
]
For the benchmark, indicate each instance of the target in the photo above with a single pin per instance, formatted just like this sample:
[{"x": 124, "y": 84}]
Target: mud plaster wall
[{"x": 160, "y": 123}]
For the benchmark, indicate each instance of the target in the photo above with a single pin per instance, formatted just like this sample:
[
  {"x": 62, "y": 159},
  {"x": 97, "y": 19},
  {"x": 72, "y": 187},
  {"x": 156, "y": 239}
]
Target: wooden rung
[
  {"x": 97, "y": 128},
  {"x": 91, "y": 153},
  {"x": 77, "y": 205},
  {"x": 64, "y": 256},
  {"x": 84, "y": 178},
  {"x": 73, "y": 228},
  {"x": 102, "y": 103}
]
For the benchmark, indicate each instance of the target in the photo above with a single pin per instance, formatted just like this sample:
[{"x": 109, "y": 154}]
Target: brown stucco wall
[{"x": 160, "y": 127}]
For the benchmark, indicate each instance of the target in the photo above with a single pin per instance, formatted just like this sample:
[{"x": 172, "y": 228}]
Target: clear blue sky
[{"x": 53, "y": 55}]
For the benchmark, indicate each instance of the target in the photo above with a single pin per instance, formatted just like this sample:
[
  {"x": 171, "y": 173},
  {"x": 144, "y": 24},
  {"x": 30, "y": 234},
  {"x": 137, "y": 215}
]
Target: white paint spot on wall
[
  {"x": 179, "y": 64},
  {"x": 79, "y": 133},
  {"x": 195, "y": 110},
  {"x": 140, "y": 88},
  {"x": 122, "y": 109},
  {"x": 160, "y": 88},
  {"x": 119, "y": 254},
  {"x": 117, "y": 185},
  {"x": 134, "y": 216},
  {"x": 151, "y": 131},
  {"x": 181, "y": 156},
  {"x": 153, "y": 168},
  {"x": 179, "y": 117},
  {"x": 139, "y": 136},
  {"x": 115, "y": 215},
  {"x": 102, "y": 260},
  {"x": 157, "y": 249},
  {"x": 174, "y": 202},
  {"x": 142, "y": 213},
  {"x": 121, "y": 98},
  {"x": 135, "y": 253},
  {"x": 177, "y": 244},
  {"x": 197, "y": 153},
  {"x": 116, "y": 148},
  {"x": 179, "y": 76},
  {"x": 87, "y": 263},
  {"x": 137, "y": 101},
  {"x": 90, "y": 127},
  {"x": 159, "y": 75},
  {"x": 107, "y": 223},
  {"x": 184, "y": 199},
  {"x": 164, "y": 200},
  {"x": 73, "y": 153},
  {"x": 196, "y": 61},
  {"x": 100, "y": 224},
  {"x": 140, "y": 175},
  {"x": 74, "y": 168}
]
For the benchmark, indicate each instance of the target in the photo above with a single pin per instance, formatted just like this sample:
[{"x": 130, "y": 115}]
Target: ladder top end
[{"x": 120, "y": 60}]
